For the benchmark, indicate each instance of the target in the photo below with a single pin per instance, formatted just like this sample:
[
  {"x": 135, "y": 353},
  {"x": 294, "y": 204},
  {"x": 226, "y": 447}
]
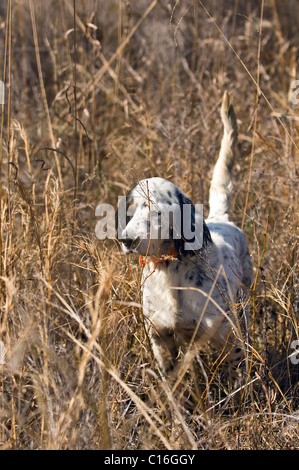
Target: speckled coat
[{"x": 194, "y": 298}]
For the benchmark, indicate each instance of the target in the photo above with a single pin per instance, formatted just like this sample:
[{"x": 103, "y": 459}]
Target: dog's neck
[{"x": 171, "y": 256}]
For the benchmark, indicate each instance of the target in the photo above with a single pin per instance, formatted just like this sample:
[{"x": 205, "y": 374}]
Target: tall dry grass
[{"x": 123, "y": 90}]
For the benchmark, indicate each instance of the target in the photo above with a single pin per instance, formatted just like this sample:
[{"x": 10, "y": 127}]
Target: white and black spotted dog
[{"x": 192, "y": 279}]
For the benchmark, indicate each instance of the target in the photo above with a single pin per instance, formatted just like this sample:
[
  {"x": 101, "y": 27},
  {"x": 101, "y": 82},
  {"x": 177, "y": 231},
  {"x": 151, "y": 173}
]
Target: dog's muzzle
[{"x": 129, "y": 244}]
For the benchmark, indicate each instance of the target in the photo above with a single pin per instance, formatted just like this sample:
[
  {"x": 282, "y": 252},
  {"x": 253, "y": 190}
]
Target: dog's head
[{"x": 157, "y": 218}]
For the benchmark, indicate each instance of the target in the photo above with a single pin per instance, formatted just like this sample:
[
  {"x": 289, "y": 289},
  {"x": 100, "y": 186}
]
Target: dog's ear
[
  {"x": 181, "y": 243},
  {"x": 207, "y": 239}
]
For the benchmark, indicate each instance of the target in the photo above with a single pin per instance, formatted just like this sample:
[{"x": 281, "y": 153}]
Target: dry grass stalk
[{"x": 78, "y": 372}]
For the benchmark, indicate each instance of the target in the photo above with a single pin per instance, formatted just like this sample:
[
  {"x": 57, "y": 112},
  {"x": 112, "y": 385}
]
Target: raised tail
[{"x": 221, "y": 184}]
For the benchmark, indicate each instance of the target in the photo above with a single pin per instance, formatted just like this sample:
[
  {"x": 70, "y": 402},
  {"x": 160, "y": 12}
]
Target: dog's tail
[{"x": 221, "y": 184}]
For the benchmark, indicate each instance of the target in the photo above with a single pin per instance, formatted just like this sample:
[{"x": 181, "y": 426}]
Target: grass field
[{"x": 124, "y": 90}]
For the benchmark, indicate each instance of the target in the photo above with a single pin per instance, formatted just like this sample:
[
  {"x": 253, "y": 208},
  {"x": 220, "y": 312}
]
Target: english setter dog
[{"x": 192, "y": 279}]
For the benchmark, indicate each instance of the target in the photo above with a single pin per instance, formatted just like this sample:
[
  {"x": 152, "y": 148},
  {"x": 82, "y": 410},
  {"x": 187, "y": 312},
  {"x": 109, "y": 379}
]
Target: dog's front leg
[{"x": 164, "y": 349}]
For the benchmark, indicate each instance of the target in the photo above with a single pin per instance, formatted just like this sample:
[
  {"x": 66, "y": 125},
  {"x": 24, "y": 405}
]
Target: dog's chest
[
  {"x": 160, "y": 298},
  {"x": 172, "y": 296}
]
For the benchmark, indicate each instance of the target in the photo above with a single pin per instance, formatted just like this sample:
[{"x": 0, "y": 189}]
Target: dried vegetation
[{"x": 124, "y": 90}]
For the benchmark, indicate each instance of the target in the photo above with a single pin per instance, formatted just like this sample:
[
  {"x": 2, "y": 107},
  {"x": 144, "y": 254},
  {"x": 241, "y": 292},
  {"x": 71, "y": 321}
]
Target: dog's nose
[{"x": 127, "y": 242}]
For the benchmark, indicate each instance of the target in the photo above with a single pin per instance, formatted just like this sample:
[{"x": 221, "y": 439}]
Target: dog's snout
[{"x": 127, "y": 242}]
